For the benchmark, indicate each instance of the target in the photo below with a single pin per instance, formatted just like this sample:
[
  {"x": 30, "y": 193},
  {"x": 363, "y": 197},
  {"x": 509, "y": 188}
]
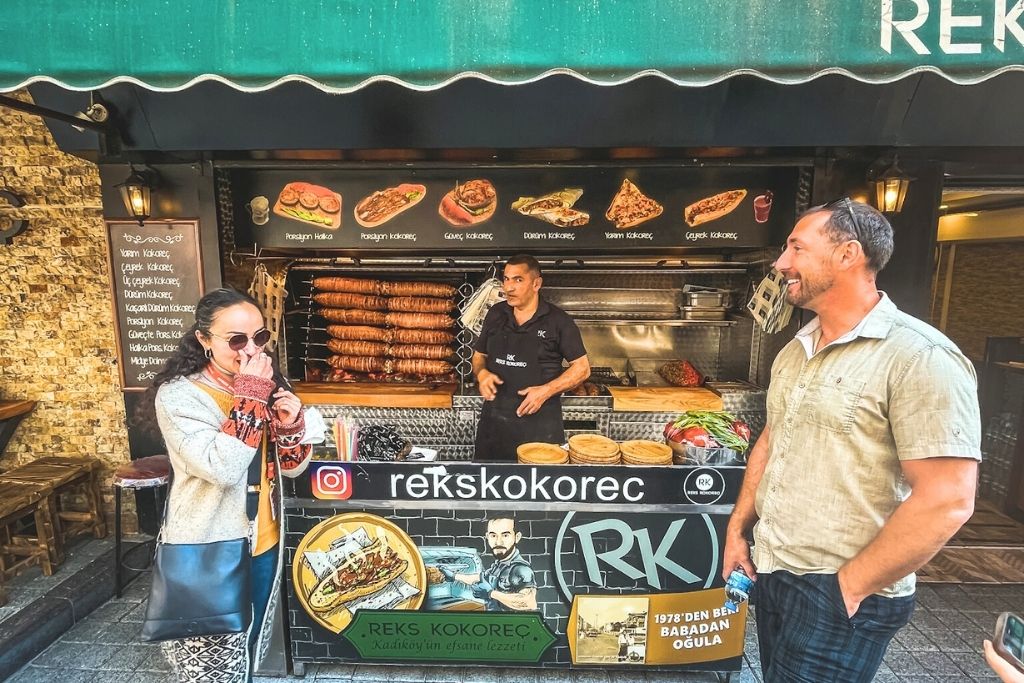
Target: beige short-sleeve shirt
[{"x": 842, "y": 419}]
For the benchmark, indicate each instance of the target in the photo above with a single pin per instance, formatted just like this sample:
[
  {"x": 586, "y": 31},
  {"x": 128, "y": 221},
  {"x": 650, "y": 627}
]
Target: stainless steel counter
[{"x": 452, "y": 431}]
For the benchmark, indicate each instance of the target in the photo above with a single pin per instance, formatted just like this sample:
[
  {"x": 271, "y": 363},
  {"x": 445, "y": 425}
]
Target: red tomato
[
  {"x": 698, "y": 436},
  {"x": 673, "y": 433},
  {"x": 742, "y": 429}
]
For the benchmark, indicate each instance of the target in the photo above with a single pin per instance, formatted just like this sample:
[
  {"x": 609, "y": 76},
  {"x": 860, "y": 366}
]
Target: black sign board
[
  {"x": 742, "y": 207},
  {"x": 156, "y": 279},
  {"x": 511, "y": 484},
  {"x": 638, "y": 567}
]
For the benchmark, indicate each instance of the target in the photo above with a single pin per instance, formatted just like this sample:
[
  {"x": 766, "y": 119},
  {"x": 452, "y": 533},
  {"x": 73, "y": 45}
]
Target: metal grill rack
[
  {"x": 639, "y": 317},
  {"x": 308, "y": 331}
]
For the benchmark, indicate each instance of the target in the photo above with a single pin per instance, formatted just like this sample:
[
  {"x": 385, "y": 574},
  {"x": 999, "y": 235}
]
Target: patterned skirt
[{"x": 209, "y": 659}]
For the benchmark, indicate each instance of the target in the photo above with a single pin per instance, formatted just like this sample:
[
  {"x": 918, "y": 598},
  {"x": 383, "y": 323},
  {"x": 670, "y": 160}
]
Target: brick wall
[
  {"x": 986, "y": 298},
  {"x": 56, "y": 325}
]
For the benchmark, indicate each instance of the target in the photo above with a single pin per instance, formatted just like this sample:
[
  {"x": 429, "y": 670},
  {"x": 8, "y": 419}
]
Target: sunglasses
[
  {"x": 237, "y": 342},
  {"x": 848, "y": 204}
]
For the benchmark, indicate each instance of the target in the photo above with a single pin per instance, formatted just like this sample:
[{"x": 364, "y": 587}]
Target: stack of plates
[
  {"x": 645, "y": 453},
  {"x": 593, "y": 449},
  {"x": 537, "y": 453}
]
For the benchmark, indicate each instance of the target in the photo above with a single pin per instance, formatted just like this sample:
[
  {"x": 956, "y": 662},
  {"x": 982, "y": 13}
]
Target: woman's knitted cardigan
[{"x": 210, "y": 456}]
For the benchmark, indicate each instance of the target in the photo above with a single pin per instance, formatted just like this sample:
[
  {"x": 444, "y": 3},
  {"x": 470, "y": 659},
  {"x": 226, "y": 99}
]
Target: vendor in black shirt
[{"x": 517, "y": 362}]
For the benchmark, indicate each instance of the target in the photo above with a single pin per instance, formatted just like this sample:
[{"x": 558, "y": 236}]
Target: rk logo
[{"x": 682, "y": 555}]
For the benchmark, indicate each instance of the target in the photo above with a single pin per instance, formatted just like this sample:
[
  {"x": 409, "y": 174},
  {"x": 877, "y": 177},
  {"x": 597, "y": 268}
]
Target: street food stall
[
  {"x": 605, "y": 552},
  {"x": 380, "y": 188}
]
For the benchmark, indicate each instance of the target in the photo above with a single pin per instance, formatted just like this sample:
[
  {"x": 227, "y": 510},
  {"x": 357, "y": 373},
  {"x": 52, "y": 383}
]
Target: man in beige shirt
[{"x": 867, "y": 464}]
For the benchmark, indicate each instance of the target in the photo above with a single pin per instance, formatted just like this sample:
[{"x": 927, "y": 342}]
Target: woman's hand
[
  {"x": 1006, "y": 671},
  {"x": 257, "y": 365},
  {"x": 287, "y": 406}
]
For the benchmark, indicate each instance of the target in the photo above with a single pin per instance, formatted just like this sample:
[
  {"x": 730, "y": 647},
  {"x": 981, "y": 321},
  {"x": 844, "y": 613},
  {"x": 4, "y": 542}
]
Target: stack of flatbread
[
  {"x": 643, "y": 452},
  {"x": 537, "y": 453},
  {"x": 555, "y": 208},
  {"x": 593, "y": 449}
]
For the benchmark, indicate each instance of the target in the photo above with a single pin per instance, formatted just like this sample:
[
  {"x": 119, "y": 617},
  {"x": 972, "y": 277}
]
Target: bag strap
[{"x": 252, "y": 490}]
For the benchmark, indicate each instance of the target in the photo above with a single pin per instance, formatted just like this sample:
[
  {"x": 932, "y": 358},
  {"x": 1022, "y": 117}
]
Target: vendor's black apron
[{"x": 500, "y": 431}]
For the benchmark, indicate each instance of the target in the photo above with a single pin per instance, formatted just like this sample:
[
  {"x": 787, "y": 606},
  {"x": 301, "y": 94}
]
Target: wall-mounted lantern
[
  {"x": 891, "y": 188},
  {"x": 136, "y": 193}
]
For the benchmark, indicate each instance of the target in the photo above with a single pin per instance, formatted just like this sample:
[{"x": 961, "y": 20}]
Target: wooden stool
[
  {"x": 66, "y": 475},
  {"x": 19, "y": 500},
  {"x": 150, "y": 472}
]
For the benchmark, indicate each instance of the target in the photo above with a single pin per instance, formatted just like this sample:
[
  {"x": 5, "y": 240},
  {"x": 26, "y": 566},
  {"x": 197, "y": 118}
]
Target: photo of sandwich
[
  {"x": 356, "y": 561},
  {"x": 713, "y": 207},
  {"x": 311, "y": 204},
  {"x": 470, "y": 203},
  {"x": 555, "y": 208},
  {"x": 631, "y": 207},
  {"x": 383, "y": 205},
  {"x": 362, "y": 573}
]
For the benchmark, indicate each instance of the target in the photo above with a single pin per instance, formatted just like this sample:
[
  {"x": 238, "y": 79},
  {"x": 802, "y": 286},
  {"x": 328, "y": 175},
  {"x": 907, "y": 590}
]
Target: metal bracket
[
  {"x": 18, "y": 225},
  {"x": 76, "y": 121}
]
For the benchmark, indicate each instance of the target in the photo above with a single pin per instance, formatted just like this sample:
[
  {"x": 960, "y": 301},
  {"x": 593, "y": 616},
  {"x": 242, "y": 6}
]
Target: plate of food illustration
[
  {"x": 310, "y": 204},
  {"x": 356, "y": 561}
]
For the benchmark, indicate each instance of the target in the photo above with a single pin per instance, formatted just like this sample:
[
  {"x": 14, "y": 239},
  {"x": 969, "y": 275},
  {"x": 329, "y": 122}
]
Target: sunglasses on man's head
[
  {"x": 848, "y": 203},
  {"x": 237, "y": 342}
]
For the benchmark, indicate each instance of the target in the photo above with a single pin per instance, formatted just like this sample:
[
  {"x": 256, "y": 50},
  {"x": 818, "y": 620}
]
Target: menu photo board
[
  {"x": 585, "y": 209},
  {"x": 156, "y": 278}
]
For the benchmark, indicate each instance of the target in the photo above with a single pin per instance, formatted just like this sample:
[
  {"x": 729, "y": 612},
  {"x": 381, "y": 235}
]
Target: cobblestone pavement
[{"x": 942, "y": 643}]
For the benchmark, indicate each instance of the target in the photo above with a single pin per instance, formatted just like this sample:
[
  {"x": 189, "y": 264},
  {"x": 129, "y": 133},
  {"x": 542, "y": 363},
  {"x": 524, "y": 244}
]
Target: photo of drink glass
[
  {"x": 763, "y": 206},
  {"x": 259, "y": 207}
]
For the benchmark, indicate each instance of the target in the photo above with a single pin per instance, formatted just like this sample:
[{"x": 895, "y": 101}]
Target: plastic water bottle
[{"x": 737, "y": 589}]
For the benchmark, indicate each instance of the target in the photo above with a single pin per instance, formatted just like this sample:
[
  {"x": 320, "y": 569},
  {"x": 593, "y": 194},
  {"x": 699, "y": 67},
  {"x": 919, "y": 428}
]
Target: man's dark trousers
[{"x": 805, "y": 635}]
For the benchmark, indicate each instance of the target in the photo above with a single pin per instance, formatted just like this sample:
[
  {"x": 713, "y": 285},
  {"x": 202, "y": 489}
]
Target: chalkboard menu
[
  {"x": 563, "y": 209},
  {"x": 156, "y": 277}
]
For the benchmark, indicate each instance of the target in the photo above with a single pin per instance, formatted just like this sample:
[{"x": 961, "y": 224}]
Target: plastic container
[{"x": 684, "y": 454}]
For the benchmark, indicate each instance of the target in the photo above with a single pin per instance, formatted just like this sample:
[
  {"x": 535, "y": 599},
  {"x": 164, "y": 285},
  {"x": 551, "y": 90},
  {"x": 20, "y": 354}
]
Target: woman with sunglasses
[{"x": 220, "y": 403}]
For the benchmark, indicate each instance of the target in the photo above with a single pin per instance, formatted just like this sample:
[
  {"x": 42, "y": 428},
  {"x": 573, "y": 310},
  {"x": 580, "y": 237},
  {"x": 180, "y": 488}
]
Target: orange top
[{"x": 268, "y": 529}]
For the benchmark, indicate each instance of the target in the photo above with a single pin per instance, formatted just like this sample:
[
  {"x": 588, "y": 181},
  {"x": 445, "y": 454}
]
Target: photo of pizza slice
[
  {"x": 713, "y": 207},
  {"x": 631, "y": 207}
]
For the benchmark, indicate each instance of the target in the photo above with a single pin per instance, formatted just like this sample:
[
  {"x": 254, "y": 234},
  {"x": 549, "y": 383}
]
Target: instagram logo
[{"x": 332, "y": 482}]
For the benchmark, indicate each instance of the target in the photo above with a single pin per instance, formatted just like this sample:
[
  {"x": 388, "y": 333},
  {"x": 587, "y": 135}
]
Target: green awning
[{"x": 341, "y": 45}]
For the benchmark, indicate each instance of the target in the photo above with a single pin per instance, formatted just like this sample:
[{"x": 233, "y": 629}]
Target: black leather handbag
[
  {"x": 199, "y": 589},
  {"x": 203, "y": 589}
]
